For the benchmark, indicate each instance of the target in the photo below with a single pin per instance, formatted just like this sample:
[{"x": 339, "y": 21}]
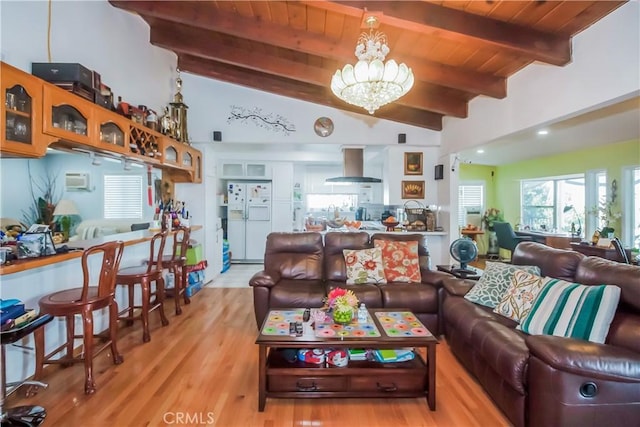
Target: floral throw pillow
[
  {"x": 400, "y": 260},
  {"x": 517, "y": 300},
  {"x": 364, "y": 266},
  {"x": 495, "y": 281}
]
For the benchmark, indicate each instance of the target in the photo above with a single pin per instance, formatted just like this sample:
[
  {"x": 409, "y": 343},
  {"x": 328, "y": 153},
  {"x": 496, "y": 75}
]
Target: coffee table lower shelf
[{"x": 361, "y": 379}]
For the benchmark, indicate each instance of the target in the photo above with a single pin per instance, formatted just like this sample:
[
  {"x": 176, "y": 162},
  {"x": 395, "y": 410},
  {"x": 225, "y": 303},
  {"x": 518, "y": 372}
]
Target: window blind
[
  {"x": 123, "y": 196},
  {"x": 469, "y": 196}
]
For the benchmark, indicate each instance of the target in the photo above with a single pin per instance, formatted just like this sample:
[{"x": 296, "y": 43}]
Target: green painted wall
[
  {"x": 503, "y": 189},
  {"x": 481, "y": 173}
]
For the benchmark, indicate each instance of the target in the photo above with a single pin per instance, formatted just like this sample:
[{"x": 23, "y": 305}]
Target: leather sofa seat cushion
[
  {"x": 297, "y": 293},
  {"x": 334, "y": 243},
  {"x": 558, "y": 263},
  {"x": 504, "y": 350},
  {"x": 625, "y": 331},
  {"x": 295, "y": 257},
  {"x": 599, "y": 271},
  {"x": 463, "y": 316},
  {"x": 416, "y": 297},
  {"x": 367, "y": 293}
]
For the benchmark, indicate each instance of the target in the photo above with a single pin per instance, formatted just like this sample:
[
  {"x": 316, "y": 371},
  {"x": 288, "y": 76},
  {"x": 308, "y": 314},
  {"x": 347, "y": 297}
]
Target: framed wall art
[
  {"x": 413, "y": 163},
  {"x": 413, "y": 189}
]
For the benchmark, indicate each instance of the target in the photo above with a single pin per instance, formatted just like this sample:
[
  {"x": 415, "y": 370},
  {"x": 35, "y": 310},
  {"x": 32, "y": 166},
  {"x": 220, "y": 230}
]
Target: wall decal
[{"x": 269, "y": 121}]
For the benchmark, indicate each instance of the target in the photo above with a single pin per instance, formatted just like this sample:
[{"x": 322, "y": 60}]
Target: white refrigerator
[{"x": 248, "y": 219}]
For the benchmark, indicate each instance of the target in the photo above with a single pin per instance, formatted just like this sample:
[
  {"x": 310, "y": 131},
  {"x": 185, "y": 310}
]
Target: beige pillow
[
  {"x": 517, "y": 300},
  {"x": 364, "y": 266}
]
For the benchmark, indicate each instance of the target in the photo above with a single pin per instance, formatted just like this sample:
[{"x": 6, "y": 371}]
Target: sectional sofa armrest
[
  {"x": 264, "y": 279},
  {"x": 435, "y": 278},
  {"x": 598, "y": 361},
  {"x": 457, "y": 287}
]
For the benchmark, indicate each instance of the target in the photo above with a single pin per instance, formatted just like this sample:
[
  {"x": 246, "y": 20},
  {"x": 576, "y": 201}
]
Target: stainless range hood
[{"x": 353, "y": 167}]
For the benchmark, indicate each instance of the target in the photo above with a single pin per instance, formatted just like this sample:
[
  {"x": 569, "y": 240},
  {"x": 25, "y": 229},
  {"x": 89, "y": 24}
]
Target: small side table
[
  {"x": 20, "y": 415},
  {"x": 453, "y": 270}
]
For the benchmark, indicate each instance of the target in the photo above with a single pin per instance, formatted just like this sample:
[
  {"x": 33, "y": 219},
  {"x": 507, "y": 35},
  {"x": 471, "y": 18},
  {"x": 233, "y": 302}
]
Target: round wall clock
[{"x": 323, "y": 126}]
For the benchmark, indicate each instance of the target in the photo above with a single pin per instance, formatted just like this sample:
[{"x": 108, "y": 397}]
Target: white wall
[
  {"x": 95, "y": 34},
  {"x": 605, "y": 68},
  {"x": 210, "y": 104}
]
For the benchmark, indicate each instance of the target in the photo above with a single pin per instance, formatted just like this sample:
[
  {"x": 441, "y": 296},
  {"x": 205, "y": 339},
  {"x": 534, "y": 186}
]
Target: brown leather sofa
[
  {"x": 301, "y": 268},
  {"x": 548, "y": 380}
]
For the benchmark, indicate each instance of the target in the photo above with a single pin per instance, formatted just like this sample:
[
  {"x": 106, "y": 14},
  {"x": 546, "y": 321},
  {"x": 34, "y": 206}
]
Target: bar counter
[
  {"x": 76, "y": 248},
  {"x": 30, "y": 279}
]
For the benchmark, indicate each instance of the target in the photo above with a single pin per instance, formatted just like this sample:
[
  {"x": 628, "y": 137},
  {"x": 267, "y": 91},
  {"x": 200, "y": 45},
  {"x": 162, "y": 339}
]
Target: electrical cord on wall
[{"x": 49, "y": 31}]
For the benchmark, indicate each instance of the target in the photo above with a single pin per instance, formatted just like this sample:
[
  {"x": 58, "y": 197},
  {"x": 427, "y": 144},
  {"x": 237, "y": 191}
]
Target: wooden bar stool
[
  {"x": 176, "y": 262},
  {"x": 144, "y": 275},
  {"x": 84, "y": 301},
  {"x": 20, "y": 415}
]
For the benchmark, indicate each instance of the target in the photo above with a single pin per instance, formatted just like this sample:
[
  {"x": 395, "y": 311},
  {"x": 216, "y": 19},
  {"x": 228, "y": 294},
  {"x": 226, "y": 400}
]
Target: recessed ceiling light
[
  {"x": 480, "y": 151},
  {"x": 543, "y": 132}
]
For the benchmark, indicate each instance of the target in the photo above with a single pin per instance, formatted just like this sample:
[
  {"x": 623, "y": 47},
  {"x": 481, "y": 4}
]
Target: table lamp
[
  {"x": 66, "y": 209},
  {"x": 569, "y": 208}
]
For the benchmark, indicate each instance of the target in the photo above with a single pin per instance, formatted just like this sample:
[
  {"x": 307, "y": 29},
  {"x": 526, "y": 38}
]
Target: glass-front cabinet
[
  {"x": 21, "y": 114},
  {"x": 112, "y": 130},
  {"x": 197, "y": 173},
  {"x": 36, "y": 114},
  {"x": 172, "y": 152},
  {"x": 67, "y": 116}
]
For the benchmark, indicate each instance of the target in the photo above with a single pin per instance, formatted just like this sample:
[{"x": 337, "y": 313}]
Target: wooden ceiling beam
[
  {"x": 461, "y": 27},
  {"x": 203, "y": 15},
  {"x": 193, "y": 41},
  {"x": 302, "y": 91}
]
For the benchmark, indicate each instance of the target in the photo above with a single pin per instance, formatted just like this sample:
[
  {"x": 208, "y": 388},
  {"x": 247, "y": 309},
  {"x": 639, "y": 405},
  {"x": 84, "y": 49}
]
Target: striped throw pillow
[{"x": 572, "y": 310}]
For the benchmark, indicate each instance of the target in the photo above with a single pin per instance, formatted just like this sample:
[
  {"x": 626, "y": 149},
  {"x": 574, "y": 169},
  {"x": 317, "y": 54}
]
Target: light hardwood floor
[{"x": 202, "y": 369}]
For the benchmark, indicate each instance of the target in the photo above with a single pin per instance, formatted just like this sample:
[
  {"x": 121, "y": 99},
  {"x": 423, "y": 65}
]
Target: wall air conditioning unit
[{"x": 76, "y": 182}]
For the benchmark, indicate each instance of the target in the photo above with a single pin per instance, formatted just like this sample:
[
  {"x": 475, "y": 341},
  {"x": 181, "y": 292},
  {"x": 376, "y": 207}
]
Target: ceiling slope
[{"x": 457, "y": 50}]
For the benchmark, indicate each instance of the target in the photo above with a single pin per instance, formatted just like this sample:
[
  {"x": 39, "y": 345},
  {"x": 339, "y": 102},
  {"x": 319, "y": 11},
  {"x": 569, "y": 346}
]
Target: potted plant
[{"x": 491, "y": 215}]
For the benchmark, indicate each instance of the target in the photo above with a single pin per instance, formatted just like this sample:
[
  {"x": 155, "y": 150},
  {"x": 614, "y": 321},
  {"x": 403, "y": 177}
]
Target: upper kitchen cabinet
[
  {"x": 245, "y": 170},
  {"x": 21, "y": 114},
  {"x": 112, "y": 130},
  {"x": 67, "y": 116}
]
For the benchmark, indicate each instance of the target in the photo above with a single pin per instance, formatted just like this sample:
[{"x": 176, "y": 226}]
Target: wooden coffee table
[{"x": 279, "y": 378}]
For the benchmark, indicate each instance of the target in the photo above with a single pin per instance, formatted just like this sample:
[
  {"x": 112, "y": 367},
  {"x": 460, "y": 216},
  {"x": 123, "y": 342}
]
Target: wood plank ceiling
[{"x": 456, "y": 49}]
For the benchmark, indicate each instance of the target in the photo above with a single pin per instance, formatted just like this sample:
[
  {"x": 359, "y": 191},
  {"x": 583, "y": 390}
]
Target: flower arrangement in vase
[{"x": 342, "y": 304}]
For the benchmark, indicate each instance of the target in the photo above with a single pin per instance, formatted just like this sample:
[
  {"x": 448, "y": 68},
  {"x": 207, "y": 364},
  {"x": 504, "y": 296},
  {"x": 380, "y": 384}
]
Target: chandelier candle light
[{"x": 372, "y": 83}]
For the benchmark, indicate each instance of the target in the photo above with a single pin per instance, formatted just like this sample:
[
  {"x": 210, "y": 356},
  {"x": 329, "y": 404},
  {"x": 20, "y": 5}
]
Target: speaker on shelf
[
  {"x": 217, "y": 135},
  {"x": 439, "y": 172},
  {"x": 402, "y": 138}
]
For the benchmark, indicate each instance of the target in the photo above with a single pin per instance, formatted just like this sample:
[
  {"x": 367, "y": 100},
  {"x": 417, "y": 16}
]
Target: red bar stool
[
  {"x": 84, "y": 301},
  {"x": 176, "y": 262},
  {"x": 144, "y": 275},
  {"x": 20, "y": 415}
]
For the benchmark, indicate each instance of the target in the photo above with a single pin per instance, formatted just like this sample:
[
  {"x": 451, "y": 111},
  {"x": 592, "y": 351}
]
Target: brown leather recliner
[
  {"x": 292, "y": 275},
  {"x": 547, "y": 380}
]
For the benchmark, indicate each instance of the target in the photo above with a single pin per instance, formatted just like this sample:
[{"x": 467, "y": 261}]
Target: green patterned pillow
[
  {"x": 518, "y": 299},
  {"x": 572, "y": 310},
  {"x": 495, "y": 281}
]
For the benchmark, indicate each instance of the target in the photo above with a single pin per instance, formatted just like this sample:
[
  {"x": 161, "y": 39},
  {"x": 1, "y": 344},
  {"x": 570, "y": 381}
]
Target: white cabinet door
[
  {"x": 232, "y": 169},
  {"x": 282, "y": 216},
  {"x": 282, "y": 179}
]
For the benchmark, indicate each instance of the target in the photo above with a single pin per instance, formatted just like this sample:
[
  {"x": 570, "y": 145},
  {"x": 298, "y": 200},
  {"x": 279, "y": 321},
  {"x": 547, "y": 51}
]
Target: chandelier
[{"x": 372, "y": 83}]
